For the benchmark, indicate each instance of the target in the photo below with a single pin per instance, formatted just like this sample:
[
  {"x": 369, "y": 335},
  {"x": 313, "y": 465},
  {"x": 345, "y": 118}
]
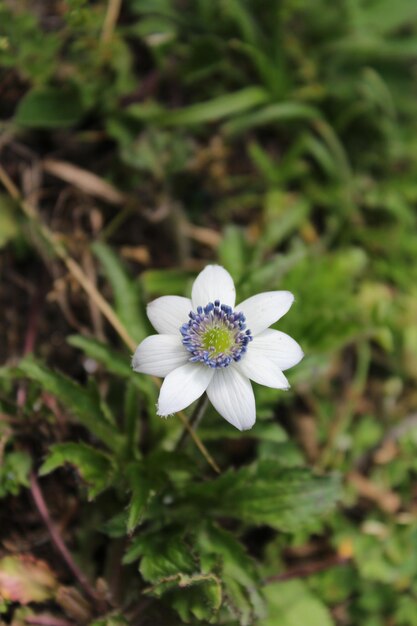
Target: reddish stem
[
  {"x": 59, "y": 544},
  {"x": 47, "y": 620},
  {"x": 30, "y": 340}
]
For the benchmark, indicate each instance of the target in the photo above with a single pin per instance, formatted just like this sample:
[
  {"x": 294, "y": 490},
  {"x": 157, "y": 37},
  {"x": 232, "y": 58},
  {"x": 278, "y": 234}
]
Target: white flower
[{"x": 208, "y": 344}]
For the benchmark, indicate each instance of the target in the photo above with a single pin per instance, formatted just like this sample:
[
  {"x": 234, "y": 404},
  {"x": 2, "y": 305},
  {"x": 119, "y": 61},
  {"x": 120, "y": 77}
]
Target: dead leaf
[
  {"x": 387, "y": 500},
  {"x": 24, "y": 579}
]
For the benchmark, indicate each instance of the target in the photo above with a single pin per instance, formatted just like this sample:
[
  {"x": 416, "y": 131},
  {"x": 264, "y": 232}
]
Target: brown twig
[
  {"x": 308, "y": 569},
  {"x": 59, "y": 544}
]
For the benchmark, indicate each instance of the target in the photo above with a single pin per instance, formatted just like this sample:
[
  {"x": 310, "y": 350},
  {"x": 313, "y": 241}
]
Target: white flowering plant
[
  {"x": 177, "y": 503},
  {"x": 206, "y": 344}
]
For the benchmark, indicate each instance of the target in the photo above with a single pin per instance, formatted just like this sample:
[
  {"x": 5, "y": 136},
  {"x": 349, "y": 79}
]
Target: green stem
[{"x": 194, "y": 420}]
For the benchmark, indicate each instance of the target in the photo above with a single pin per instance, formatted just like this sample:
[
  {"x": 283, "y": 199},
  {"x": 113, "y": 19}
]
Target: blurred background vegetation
[{"x": 145, "y": 139}]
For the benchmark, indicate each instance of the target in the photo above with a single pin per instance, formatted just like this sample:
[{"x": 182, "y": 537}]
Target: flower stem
[
  {"x": 196, "y": 417},
  {"x": 78, "y": 273}
]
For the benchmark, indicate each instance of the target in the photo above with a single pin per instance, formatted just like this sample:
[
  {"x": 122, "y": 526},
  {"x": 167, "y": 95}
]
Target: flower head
[{"x": 208, "y": 344}]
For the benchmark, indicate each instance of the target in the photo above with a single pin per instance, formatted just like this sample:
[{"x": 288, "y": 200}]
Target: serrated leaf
[
  {"x": 238, "y": 572},
  {"x": 147, "y": 478},
  {"x": 291, "y": 604},
  {"x": 49, "y": 107},
  {"x": 126, "y": 293},
  {"x": 171, "y": 564},
  {"x": 94, "y": 466},
  {"x": 142, "y": 490},
  {"x": 266, "y": 493},
  {"x": 199, "y": 596},
  {"x": 81, "y": 402},
  {"x": 162, "y": 554}
]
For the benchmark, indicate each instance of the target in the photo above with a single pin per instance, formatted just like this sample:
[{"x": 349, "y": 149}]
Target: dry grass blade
[
  {"x": 83, "y": 179},
  {"x": 206, "y": 236},
  {"x": 112, "y": 15}
]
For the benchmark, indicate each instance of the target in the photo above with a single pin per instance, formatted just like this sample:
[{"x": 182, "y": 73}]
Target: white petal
[
  {"x": 264, "y": 309},
  {"x": 262, "y": 370},
  {"x": 231, "y": 394},
  {"x": 169, "y": 313},
  {"x": 159, "y": 354},
  {"x": 182, "y": 386},
  {"x": 278, "y": 347},
  {"x": 213, "y": 283}
]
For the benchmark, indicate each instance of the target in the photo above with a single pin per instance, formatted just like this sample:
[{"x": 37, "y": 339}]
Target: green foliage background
[{"x": 285, "y": 131}]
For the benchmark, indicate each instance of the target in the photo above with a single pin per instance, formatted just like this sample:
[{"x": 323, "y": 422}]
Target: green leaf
[
  {"x": 384, "y": 16},
  {"x": 95, "y": 467},
  {"x": 233, "y": 251},
  {"x": 266, "y": 493},
  {"x": 199, "y": 596},
  {"x": 9, "y": 224},
  {"x": 274, "y": 113},
  {"x": 127, "y": 296},
  {"x": 165, "y": 282},
  {"x": 115, "y": 527},
  {"x": 162, "y": 554},
  {"x": 264, "y": 431},
  {"x": 151, "y": 476},
  {"x": 171, "y": 564},
  {"x": 291, "y": 604},
  {"x": 114, "y": 619},
  {"x": 239, "y": 574},
  {"x": 143, "y": 490},
  {"x": 113, "y": 360},
  {"x": 284, "y": 213},
  {"x": 81, "y": 402},
  {"x": 223, "y": 106},
  {"x": 49, "y": 107},
  {"x": 131, "y": 420},
  {"x": 14, "y": 472}
]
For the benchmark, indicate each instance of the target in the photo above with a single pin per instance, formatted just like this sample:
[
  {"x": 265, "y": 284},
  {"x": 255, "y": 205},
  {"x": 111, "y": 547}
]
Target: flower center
[
  {"x": 215, "y": 335},
  {"x": 217, "y": 340}
]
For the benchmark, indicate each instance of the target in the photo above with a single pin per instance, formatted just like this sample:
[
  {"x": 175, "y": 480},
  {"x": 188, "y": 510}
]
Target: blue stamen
[{"x": 207, "y": 333}]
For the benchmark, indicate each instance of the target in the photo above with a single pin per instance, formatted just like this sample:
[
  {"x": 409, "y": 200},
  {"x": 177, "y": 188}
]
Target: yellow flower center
[{"x": 217, "y": 340}]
